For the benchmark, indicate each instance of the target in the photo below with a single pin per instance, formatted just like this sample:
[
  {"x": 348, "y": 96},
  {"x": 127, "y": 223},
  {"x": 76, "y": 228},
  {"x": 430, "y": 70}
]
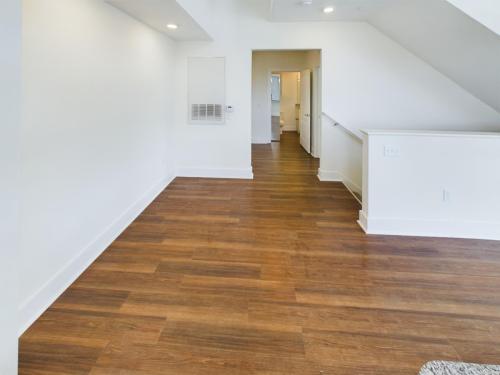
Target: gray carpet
[{"x": 457, "y": 368}]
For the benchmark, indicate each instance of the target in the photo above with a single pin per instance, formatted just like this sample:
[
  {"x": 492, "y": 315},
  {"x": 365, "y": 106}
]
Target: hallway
[{"x": 269, "y": 276}]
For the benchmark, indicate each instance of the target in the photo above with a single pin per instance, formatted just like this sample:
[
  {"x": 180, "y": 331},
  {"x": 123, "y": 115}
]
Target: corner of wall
[{"x": 31, "y": 309}]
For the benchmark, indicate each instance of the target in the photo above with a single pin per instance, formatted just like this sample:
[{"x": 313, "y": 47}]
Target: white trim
[
  {"x": 430, "y": 133},
  {"x": 290, "y": 128},
  {"x": 353, "y": 188},
  {"x": 31, "y": 309},
  {"x": 317, "y": 109},
  {"x": 243, "y": 173},
  {"x": 324, "y": 175},
  {"x": 481, "y": 230},
  {"x": 363, "y": 221},
  {"x": 269, "y": 111},
  {"x": 261, "y": 141}
]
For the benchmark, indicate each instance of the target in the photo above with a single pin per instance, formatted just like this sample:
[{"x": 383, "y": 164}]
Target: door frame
[
  {"x": 316, "y": 111},
  {"x": 270, "y": 72},
  {"x": 317, "y": 121},
  {"x": 306, "y": 92},
  {"x": 316, "y": 106}
]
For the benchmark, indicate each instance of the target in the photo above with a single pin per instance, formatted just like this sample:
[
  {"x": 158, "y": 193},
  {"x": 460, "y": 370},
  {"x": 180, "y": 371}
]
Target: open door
[
  {"x": 316, "y": 113},
  {"x": 305, "y": 110}
]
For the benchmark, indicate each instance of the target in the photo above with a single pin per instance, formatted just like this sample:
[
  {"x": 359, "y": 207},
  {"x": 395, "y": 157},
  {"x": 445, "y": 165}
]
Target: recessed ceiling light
[
  {"x": 328, "y": 10},
  {"x": 306, "y": 2},
  {"x": 172, "y": 26}
]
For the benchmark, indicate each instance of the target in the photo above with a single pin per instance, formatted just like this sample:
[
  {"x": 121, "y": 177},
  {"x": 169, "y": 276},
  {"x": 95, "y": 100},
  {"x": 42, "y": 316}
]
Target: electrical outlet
[{"x": 392, "y": 151}]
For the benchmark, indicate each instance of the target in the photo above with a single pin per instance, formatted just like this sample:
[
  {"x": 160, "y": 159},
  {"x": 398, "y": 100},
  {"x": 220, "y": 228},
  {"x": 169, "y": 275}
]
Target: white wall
[
  {"x": 449, "y": 40},
  {"x": 289, "y": 99},
  {"x": 96, "y": 137},
  {"x": 10, "y": 110},
  {"x": 343, "y": 153},
  {"x": 215, "y": 150},
  {"x": 369, "y": 81},
  {"x": 404, "y": 193}
]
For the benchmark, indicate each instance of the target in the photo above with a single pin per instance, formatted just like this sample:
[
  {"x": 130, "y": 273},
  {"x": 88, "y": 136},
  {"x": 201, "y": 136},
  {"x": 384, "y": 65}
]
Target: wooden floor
[{"x": 270, "y": 276}]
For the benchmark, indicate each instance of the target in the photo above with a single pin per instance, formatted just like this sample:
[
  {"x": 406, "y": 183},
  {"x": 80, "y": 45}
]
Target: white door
[
  {"x": 305, "y": 109},
  {"x": 316, "y": 113}
]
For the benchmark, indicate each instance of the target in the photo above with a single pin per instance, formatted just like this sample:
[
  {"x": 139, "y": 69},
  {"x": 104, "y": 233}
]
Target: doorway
[
  {"x": 292, "y": 106},
  {"x": 285, "y": 103},
  {"x": 286, "y": 97}
]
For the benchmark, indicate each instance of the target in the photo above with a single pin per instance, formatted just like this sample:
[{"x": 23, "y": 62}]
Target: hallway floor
[{"x": 269, "y": 276}]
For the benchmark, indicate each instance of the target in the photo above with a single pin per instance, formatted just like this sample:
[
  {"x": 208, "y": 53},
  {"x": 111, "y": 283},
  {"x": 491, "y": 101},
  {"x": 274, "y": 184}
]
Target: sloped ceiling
[
  {"x": 486, "y": 12},
  {"x": 158, "y": 13},
  {"x": 451, "y": 41},
  {"x": 459, "y": 38},
  {"x": 201, "y": 11}
]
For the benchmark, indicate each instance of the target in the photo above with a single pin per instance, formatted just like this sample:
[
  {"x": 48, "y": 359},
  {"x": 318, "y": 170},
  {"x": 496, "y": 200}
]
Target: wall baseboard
[
  {"x": 362, "y": 222},
  {"x": 480, "y": 230},
  {"x": 352, "y": 186},
  {"x": 261, "y": 141},
  {"x": 241, "y": 173},
  {"x": 333, "y": 176},
  {"x": 290, "y": 128},
  {"x": 31, "y": 309}
]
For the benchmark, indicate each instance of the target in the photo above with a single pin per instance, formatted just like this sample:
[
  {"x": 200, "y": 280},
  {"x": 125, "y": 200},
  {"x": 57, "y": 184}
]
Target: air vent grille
[{"x": 207, "y": 112}]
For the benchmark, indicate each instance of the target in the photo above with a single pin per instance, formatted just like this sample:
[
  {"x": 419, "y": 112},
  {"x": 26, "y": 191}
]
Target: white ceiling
[
  {"x": 159, "y": 13},
  {"x": 345, "y": 10}
]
